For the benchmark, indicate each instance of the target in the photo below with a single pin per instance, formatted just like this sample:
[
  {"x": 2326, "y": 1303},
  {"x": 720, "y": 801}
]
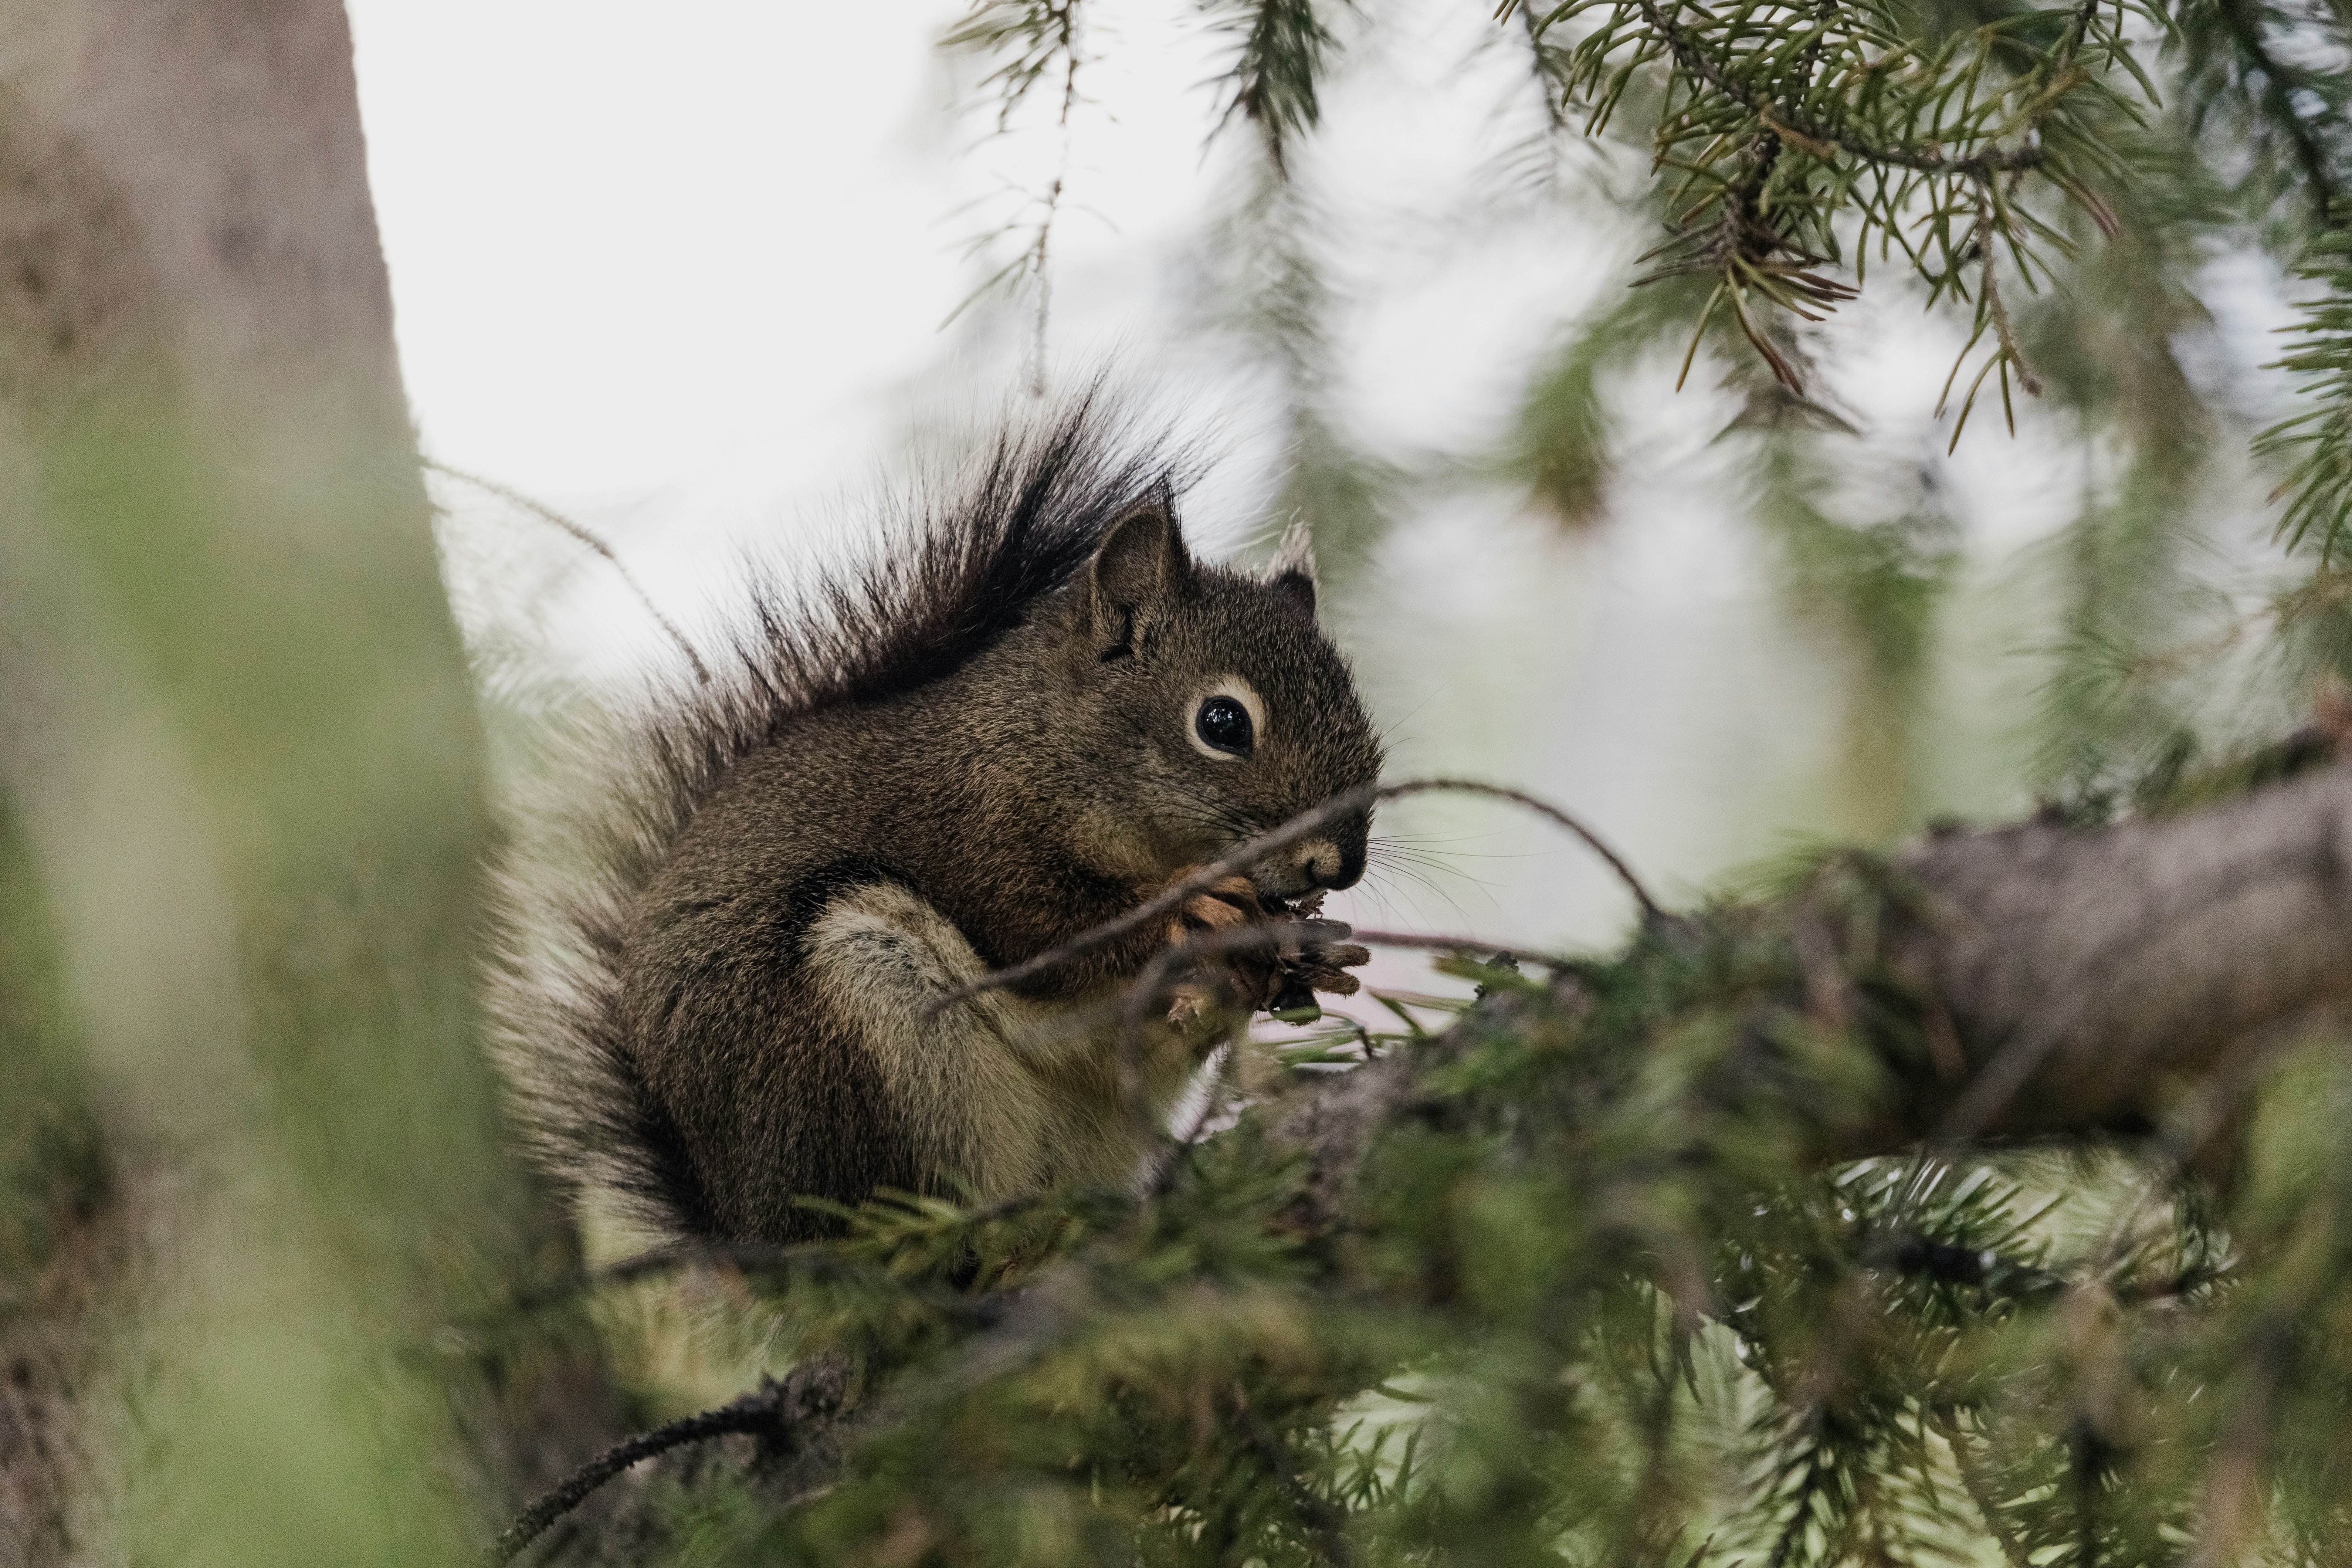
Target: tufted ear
[
  {"x": 1140, "y": 570},
  {"x": 1293, "y": 571}
]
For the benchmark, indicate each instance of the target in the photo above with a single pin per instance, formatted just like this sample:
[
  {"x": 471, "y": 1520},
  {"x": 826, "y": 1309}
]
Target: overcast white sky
[{"x": 627, "y": 240}]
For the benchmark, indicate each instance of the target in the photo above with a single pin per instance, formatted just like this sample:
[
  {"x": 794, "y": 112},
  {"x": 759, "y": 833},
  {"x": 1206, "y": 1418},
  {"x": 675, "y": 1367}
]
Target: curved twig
[
  {"x": 546, "y": 513},
  {"x": 1652, "y": 913},
  {"x": 760, "y": 1411},
  {"x": 1173, "y": 898}
]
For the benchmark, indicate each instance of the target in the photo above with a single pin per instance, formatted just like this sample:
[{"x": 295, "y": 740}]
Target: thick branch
[{"x": 2089, "y": 976}]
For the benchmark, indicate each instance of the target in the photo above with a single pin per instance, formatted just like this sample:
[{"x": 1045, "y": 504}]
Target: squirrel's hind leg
[{"x": 966, "y": 1079}]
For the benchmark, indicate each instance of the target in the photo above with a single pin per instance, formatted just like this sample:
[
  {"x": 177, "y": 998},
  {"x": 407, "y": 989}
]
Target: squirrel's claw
[{"x": 1323, "y": 966}]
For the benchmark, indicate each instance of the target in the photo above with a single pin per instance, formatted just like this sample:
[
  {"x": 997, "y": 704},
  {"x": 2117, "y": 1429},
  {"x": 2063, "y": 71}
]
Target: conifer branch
[
  {"x": 1274, "y": 83},
  {"x": 2242, "y": 20},
  {"x": 1035, "y": 40},
  {"x": 1328, "y": 1522},
  {"x": 2318, "y": 485},
  {"x": 1791, "y": 126}
]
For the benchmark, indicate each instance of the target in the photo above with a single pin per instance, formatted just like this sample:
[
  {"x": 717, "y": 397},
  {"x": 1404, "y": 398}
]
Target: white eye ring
[{"x": 1240, "y": 691}]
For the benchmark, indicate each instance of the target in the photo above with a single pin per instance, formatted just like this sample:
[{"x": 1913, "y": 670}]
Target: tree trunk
[{"x": 243, "y": 773}]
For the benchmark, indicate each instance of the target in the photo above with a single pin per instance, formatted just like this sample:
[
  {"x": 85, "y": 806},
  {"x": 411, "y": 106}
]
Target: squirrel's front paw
[
  {"x": 1318, "y": 958},
  {"x": 1320, "y": 963},
  {"x": 1305, "y": 954}
]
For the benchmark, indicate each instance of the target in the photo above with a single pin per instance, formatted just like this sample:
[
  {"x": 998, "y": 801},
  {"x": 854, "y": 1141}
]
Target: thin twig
[
  {"x": 760, "y": 1411},
  {"x": 546, "y": 513},
  {"x": 2280, "y": 81},
  {"x": 1146, "y": 989},
  {"x": 2002, "y": 332},
  {"x": 1067, "y": 20},
  {"x": 1438, "y": 942},
  {"x": 1302, "y": 827}
]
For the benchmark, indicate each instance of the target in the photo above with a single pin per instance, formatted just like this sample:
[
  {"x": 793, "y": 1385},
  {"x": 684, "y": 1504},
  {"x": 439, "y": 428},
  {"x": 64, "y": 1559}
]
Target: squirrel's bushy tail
[{"x": 960, "y": 559}]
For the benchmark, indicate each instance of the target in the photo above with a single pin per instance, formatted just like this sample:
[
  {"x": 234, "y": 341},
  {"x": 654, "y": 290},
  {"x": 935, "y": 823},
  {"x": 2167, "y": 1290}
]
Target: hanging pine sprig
[
  {"x": 1034, "y": 43},
  {"x": 1274, "y": 82},
  {"x": 1797, "y": 134},
  {"x": 2317, "y": 442}
]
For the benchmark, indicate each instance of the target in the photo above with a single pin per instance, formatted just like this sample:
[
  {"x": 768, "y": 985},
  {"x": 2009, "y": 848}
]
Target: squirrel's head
[{"x": 1218, "y": 708}]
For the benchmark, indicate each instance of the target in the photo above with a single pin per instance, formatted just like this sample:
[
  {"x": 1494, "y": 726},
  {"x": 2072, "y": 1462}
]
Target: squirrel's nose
[{"x": 1325, "y": 863}]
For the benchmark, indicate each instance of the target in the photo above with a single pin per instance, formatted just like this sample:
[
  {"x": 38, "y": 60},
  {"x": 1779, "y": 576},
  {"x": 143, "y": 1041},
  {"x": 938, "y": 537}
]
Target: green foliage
[
  {"x": 1778, "y": 123},
  {"x": 1281, "y": 49},
  {"x": 2264, "y": 89},
  {"x": 1596, "y": 1302},
  {"x": 2319, "y": 441},
  {"x": 1582, "y": 1311},
  {"x": 1030, "y": 40}
]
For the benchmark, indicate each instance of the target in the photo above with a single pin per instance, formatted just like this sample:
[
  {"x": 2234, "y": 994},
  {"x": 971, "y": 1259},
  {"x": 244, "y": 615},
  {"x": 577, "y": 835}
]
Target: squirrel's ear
[
  {"x": 1293, "y": 571},
  {"x": 1140, "y": 568}
]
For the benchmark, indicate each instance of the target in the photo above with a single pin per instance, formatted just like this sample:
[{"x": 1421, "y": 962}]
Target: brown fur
[{"x": 847, "y": 841}]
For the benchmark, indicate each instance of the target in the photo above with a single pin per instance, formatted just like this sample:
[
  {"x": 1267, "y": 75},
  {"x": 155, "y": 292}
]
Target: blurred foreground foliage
[{"x": 1594, "y": 1298}]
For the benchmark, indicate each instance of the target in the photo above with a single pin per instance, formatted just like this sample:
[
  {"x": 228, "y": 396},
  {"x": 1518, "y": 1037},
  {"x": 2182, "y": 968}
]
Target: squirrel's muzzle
[{"x": 1323, "y": 862}]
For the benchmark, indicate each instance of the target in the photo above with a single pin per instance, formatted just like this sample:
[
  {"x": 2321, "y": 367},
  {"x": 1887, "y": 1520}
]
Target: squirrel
[{"x": 1036, "y": 710}]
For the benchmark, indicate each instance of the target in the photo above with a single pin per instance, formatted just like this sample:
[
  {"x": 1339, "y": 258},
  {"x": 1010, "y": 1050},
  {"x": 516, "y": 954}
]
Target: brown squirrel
[{"x": 1037, "y": 711}]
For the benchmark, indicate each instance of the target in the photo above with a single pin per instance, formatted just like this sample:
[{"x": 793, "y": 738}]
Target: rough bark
[{"x": 2091, "y": 976}]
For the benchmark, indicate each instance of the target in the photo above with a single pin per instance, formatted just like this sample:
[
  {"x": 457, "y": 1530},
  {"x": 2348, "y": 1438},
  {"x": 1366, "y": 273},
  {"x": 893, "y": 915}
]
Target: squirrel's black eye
[{"x": 1224, "y": 723}]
